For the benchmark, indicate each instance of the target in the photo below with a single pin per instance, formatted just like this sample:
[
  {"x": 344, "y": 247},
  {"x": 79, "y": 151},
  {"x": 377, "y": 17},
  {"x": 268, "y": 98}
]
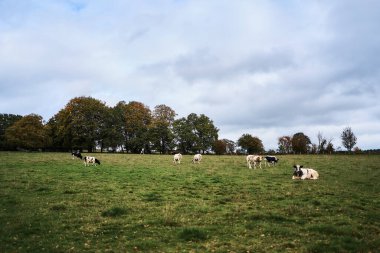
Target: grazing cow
[
  {"x": 304, "y": 173},
  {"x": 90, "y": 160},
  {"x": 254, "y": 159},
  {"x": 177, "y": 158},
  {"x": 76, "y": 154},
  {"x": 271, "y": 160},
  {"x": 197, "y": 158}
]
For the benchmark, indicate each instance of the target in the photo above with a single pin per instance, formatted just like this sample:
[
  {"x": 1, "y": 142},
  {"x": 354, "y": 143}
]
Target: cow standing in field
[
  {"x": 90, "y": 160},
  {"x": 76, "y": 154},
  {"x": 197, "y": 158},
  {"x": 255, "y": 160},
  {"x": 304, "y": 173},
  {"x": 271, "y": 160},
  {"x": 177, "y": 158}
]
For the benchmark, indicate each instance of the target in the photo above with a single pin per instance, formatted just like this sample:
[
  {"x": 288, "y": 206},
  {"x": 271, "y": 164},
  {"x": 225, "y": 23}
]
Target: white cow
[
  {"x": 255, "y": 160},
  {"x": 197, "y": 158},
  {"x": 177, "y": 158},
  {"x": 304, "y": 173},
  {"x": 90, "y": 160}
]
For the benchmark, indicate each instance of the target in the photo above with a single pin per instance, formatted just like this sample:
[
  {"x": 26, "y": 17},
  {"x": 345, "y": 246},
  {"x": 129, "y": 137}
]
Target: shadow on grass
[
  {"x": 114, "y": 212},
  {"x": 193, "y": 235}
]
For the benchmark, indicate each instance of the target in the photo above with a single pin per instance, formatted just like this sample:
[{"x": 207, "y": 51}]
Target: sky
[{"x": 268, "y": 68}]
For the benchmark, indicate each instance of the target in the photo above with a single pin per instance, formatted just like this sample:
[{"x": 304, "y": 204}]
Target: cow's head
[{"x": 297, "y": 171}]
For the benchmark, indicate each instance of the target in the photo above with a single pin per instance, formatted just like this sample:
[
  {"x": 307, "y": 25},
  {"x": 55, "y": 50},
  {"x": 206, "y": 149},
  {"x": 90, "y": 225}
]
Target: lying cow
[
  {"x": 76, "y": 154},
  {"x": 271, "y": 160},
  {"x": 90, "y": 160},
  {"x": 304, "y": 173},
  {"x": 197, "y": 158},
  {"x": 177, "y": 158},
  {"x": 255, "y": 160}
]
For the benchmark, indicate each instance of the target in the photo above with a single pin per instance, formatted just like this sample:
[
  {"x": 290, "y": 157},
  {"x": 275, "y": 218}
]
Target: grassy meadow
[{"x": 144, "y": 203}]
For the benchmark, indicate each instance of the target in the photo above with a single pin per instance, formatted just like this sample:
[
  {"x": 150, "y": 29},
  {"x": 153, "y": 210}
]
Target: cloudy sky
[{"x": 264, "y": 67}]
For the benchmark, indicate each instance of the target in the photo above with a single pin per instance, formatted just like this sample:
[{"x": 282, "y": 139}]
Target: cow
[
  {"x": 271, "y": 160},
  {"x": 255, "y": 160},
  {"x": 197, "y": 158},
  {"x": 76, "y": 154},
  {"x": 177, "y": 158},
  {"x": 304, "y": 173},
  {"x": 90, "y": 160}
]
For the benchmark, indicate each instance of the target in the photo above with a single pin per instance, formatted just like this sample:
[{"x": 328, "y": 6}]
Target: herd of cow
[{"x": 299, "y": 171}]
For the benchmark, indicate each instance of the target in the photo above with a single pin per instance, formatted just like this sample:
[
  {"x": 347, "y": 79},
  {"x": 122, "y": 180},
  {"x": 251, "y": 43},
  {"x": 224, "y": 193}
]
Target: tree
[
  {"x": 220, "y": 147},
  {"x": 28, "y": 133},
  {"x": 161, "y": 128},
  {"x": 138, "y": 118},
  {"x": 205, "y": 131},
  {"x": 251, "y": 144},
  {"x": 115, "y": 128},
  {"x": 230, "y": 146},
  {"x": 285, "y": 144},
  {"x": 184, "y": 135},
  {"x": 300, "y": 143},
  {"x": 348, "y": 139},
  {"x": 81, "y": 124},
  {"x": 330, "y": 147},
  {"x": 6, "y": 120},
  {"x": 322, "y": 143}
]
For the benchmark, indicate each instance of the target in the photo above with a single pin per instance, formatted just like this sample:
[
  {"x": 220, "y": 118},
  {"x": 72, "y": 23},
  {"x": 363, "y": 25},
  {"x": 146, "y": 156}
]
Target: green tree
[
  {"x": 206, "y": 133},
  {"x": 251, "y": 144},
  {"x": 348, "y": 139},
  {"x": 184, "y": 135},
  {"x": 28, "y": 133},
  {"x": 6, "y": 120},
  {"x": 300, "y": 143},
  {"x": 116, "y": 123},
  {"x": 161, "y": 128}
]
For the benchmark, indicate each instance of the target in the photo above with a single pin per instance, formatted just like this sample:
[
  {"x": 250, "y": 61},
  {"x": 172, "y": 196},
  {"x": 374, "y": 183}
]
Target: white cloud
[{"x": 268, "y": 68}]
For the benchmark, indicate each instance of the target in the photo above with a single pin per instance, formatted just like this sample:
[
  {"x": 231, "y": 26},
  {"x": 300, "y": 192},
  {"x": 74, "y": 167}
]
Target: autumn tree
[
  {"x": 81, "y": 124},
  {"x": 6, "y": 120},
  {"x": 220, "y": 147},
  {"x": 161, "y": 128},
  {"x": 285, "y": 144},
  {"x": 138, "y": 118},
  {"x": 224, "y": 146},
  {"x": 252, "y": 145},
  {"x": 300, "y": 143},
  {"x": 348, "y": 138},
  {"x": 28, "y": 133}
]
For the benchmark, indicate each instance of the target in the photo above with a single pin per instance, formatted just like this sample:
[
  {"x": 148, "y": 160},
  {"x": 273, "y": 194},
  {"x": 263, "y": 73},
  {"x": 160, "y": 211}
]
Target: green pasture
[{"x": 144, "y": 203}]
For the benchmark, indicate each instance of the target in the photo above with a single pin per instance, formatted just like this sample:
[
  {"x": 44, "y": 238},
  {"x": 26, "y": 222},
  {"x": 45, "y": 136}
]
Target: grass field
[{"x": 145, "y": 203}]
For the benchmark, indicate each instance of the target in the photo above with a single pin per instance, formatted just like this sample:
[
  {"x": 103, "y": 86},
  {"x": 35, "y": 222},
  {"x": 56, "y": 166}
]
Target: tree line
[{"x": 86, "y": 123}]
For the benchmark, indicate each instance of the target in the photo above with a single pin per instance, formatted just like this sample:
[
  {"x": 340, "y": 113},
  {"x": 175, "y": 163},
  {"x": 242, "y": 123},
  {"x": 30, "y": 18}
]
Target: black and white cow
[
  {"x": 271, "y": 160},
  {"x": 304, "y": 173},
  {"x": 90, "y": 160},
  {"x": 76, "y": 154}
]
